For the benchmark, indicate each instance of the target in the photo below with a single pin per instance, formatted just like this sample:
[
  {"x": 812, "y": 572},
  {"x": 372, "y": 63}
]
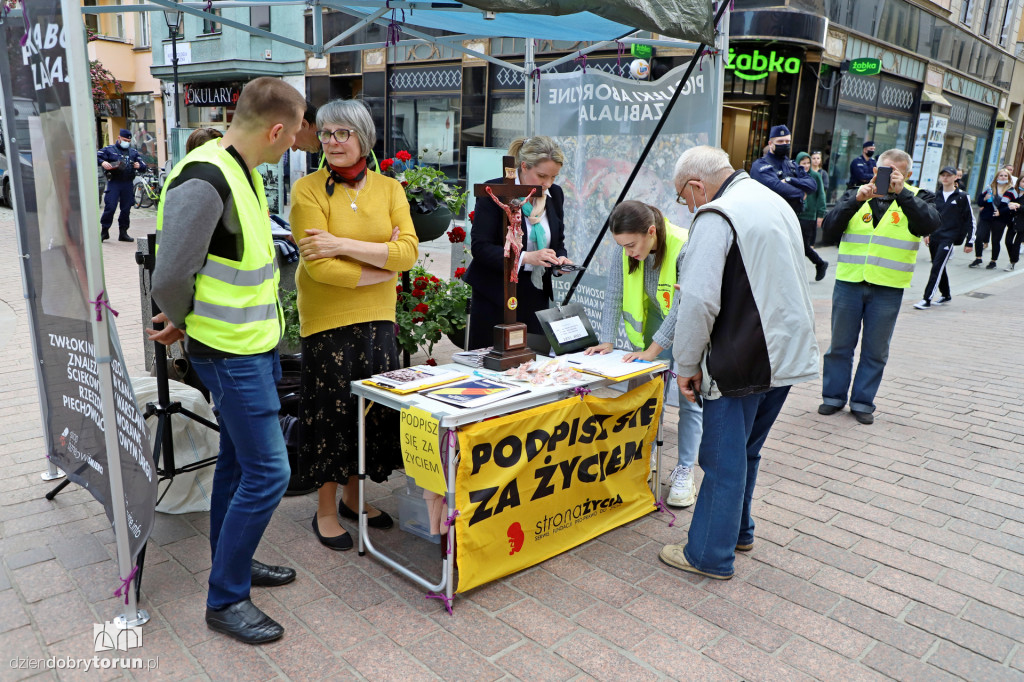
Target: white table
[{"x": 451, "y": 418}]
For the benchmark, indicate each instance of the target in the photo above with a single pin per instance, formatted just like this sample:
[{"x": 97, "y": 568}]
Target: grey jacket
[{"x": 745, "y": 316}]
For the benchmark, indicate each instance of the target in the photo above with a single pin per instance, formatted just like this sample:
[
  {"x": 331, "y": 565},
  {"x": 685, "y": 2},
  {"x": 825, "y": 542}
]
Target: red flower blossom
[
  {"x": 417, "y": 320},
  {"x": 418, "y": 293},
  {"x": 398, "y": 288},
  {"x": 420, "y": 281},
  {"x": 403, "y": 156},
  {"x": 421, "y": 308},
  {"x": 434, "y": 280},
  {"x": 459, "y": 272},
  {"x": 405, "y": 183},
  {"x": 471, "y": 214},
  {"x": 456, "y": 235},
  {"x": 432, "y": 362},
  {"x": 386, "y": 164}
]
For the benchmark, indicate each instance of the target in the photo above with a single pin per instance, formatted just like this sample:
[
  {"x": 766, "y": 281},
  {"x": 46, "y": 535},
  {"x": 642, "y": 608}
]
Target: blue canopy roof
[{"x": 582, "y": 26}]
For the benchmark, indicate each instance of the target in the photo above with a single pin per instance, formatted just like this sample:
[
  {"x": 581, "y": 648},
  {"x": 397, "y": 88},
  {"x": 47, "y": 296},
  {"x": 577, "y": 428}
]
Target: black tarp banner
[{"x": 45, "y": 160}]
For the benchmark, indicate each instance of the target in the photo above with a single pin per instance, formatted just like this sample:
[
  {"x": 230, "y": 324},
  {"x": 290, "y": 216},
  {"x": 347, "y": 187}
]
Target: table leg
[
  {"x": 449, "y": 567},
  {"x": 362, "y": 473}
]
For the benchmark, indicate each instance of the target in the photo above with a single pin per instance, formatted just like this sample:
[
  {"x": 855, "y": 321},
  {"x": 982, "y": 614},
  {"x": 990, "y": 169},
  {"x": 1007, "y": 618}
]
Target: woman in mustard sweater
[{"x": 354, "y": 234}]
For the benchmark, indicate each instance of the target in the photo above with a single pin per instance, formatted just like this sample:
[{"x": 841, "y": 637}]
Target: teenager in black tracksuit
[
  {"x": 993, "y": 218},
  {"x": 955, "y": 227},
  {"x": 1015, "y": 228}
]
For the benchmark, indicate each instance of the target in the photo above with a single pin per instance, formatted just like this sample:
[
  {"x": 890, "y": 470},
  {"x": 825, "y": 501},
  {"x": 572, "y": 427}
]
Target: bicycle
[{"x": 147, "y": 190}]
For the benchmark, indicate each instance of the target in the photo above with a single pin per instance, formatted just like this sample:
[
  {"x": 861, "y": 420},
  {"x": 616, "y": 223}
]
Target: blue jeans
[
  {"x": 690, "y": 428},
  {"x": 853, "y": 305},
  {"x": 730, "y": 453},
  {"x": 252, "y": 468}
]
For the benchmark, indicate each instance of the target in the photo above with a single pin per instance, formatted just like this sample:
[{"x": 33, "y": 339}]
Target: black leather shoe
[
  {"x": 827, "y": 409},
  {"x": 104, "y": 235},
  {"x": 382, "y": 521},
  {"x": 819, "y": 270},
  {"x": 123, "y": 237},
  {"x": 863, "y": 417},
  {"x": 339, "y": 543},
  {"x": 245, "y": 622},
  {"x": 270, "y": 576}
]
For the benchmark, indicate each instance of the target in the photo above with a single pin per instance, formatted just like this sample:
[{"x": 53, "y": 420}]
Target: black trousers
[
  {"x": 809, "y": 230},
  {"x": 1014, "y": 236},
  {"x": 118, "y": 192},
  {"x": 941, "y": 250},
  {"x": 989, "y": 232}
]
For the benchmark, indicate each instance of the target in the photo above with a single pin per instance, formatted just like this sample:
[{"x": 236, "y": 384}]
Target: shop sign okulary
[{"x": 534, "y": 484}]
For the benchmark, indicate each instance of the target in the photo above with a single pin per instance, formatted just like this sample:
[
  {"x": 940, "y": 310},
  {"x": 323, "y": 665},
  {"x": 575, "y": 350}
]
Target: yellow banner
[
  {"x": 534, "y": 484},
  {"x": 418, "y": 432}
]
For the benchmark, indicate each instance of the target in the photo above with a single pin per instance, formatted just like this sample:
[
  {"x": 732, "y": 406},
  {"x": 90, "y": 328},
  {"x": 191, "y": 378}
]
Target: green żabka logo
[{"x": 755, "y": 66}]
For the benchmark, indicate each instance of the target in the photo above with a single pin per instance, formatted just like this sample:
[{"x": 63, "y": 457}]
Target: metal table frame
[{"x": 450, "y": 418}]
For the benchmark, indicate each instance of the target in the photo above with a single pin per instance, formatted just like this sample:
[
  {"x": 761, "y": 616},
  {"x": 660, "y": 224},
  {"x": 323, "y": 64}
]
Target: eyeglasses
[
  {"x": 680, "y": 199},
  {"x": 340, "y": 135}
]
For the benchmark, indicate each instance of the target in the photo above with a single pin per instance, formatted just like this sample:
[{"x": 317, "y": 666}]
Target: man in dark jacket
[
  {"x": 862, "y": 169},
  {"x": 956, "y": 225},
  {"x": 776, "y": 171},
  {"x": 119, "y": 161}
]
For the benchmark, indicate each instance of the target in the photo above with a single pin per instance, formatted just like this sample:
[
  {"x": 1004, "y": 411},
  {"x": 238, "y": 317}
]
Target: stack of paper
[
  {"x": 471, "y": 358},
  {"x": 414, "y": 379},
  {"x": 610, "y": 365}
]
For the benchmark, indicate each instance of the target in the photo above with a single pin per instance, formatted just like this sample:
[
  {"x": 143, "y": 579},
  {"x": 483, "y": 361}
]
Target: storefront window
[
  {"x": 852, "y": 130},
  {"x": 141, "y": 117},
  {"x": 428, "y": 128}
]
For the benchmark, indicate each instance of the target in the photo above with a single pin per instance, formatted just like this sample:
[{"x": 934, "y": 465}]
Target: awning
[{"x": 935, "y": 98}]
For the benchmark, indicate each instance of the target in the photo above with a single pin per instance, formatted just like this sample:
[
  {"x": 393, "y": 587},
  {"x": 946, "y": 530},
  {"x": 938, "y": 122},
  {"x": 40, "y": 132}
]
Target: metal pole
[
  {"x": 174, "y": 66},
  {"x": 528, "y": 85}
]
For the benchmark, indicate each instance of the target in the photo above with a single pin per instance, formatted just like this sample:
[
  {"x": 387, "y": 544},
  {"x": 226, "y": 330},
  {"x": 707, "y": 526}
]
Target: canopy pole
[
  {"x": 643, "y": 156},
  {"x": 528, "y": 87},
  {"x": 317, "y": 15}
]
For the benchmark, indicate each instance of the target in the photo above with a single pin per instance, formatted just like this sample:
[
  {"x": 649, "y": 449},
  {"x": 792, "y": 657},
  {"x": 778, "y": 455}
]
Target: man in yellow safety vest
[
  {"x": 881, "y": 230},
  {"x": 216, "y": 284}
]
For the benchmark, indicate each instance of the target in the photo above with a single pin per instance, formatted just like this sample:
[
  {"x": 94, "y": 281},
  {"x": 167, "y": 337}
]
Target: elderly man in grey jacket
[{"x": 744, "y": 335}]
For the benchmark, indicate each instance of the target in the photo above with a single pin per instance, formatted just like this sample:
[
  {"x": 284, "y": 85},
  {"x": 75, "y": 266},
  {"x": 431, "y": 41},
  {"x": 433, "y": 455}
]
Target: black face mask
[
  {"x": 781, "y": 151},
  {"x": 869, "y": 153}
]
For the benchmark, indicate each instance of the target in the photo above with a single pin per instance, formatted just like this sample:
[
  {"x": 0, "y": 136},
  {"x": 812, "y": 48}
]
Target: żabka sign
[{"x": 755, "y": 66}]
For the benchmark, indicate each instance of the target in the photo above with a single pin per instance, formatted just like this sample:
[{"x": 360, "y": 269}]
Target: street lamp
[{"x": 174, "y": 17}]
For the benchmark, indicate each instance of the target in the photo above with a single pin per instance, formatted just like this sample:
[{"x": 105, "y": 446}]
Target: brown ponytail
[{"x": 634, "y": 217}]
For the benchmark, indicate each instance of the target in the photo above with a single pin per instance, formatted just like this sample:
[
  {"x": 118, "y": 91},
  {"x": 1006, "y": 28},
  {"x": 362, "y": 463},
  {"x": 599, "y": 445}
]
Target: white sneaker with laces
[
  {"x": 942, "y": 299},
  {"x": 1009, "y": 268},
  {"x": 682, "y": 493},
  {"x": 923, "y": 304}
]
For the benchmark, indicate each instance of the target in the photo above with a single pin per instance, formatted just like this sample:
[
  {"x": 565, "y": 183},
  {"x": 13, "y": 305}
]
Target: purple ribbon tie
[
  {"x": 99, "y": 304},
  {"x": 447, "y": 601},
  {"x": 126, "y": 584},
  {"x": 583, "y": 60},
  {"x": 662, "y": 508},
  {"x": 581, "y": 391}
]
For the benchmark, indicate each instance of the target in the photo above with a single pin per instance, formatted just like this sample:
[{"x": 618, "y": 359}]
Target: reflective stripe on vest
[
  {"x": 883, "y": 255},
  {"x": 235, "y": 308},
  {"x": 634, "y": 310}
]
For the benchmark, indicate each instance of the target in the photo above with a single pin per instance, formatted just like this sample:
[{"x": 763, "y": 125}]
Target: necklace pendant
[{"x": 353, "y": 205}]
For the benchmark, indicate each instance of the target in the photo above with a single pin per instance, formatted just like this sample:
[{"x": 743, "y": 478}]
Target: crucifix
[{"x": 509, "y": 338}]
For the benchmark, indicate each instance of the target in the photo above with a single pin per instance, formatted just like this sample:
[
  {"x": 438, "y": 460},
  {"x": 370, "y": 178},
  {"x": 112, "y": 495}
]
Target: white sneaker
[
  {"x": 941, "y": 300},
  {"x": 1009, "y": 268},
  {"x": 682, "y": 493},
  {"x": 923, "y": 304}
]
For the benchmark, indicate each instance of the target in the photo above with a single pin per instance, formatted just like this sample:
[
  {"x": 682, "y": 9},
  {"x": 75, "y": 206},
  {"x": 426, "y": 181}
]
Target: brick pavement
[{"x": 887, "y": 551}]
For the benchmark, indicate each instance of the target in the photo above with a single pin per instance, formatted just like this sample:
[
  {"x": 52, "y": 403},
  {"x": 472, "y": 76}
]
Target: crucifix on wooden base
[{"x": 509, "y": 338}]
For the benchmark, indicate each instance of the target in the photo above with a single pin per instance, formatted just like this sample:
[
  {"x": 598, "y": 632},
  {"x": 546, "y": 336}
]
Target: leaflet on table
[
  {"x": 412, "y": 379},
  {"x": 471, "y": 358},
  {"x": 475, "y": 393},
  {"x": 610, "y": 365}
]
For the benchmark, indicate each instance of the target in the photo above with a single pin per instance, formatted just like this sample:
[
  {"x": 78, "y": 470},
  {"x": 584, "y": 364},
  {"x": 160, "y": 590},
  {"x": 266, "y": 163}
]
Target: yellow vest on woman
[{"x": 634, "y": 308}]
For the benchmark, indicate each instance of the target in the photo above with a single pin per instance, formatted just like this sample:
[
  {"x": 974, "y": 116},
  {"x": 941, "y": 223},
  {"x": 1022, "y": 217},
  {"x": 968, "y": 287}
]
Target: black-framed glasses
[
  {"x": 340, "y": 135},
  {"x": 680, "y": 199}
]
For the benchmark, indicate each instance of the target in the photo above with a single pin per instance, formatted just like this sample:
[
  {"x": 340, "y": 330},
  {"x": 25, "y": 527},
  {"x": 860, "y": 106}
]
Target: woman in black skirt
[{"x": 354, "y": 234}]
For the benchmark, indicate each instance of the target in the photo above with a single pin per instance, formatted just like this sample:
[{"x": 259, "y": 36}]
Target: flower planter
[
  {"x": 458, "y": 338},
  {"x": 430, "y": 226}
]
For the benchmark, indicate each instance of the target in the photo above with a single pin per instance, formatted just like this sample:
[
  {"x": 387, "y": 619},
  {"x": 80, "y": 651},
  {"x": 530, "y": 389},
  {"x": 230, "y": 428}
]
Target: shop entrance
[{"x": 744, "y": 129}]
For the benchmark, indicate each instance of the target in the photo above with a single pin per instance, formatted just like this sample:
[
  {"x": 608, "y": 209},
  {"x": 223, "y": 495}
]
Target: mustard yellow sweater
[{"x": 329, "y": 295}]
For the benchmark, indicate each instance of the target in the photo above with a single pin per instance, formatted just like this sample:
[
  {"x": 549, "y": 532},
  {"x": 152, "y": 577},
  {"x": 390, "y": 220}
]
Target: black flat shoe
[
  {"x": 270, "y": 576},
  {"x": 245, "y": 622},
  {"x": 863, "y": 417},
  {"x": 338, "y": 543},
  {"x": 826, "y": 409},
  {"x": 383, "y": 521}
]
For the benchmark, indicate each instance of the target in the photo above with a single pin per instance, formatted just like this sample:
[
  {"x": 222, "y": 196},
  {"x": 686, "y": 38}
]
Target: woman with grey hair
[
  {"x": 354, "y": 234},
  {"x": 538, "y": 162}
]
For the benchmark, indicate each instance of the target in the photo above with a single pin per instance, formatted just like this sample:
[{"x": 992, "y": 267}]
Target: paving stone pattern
[{"x": 891, "y": 551}]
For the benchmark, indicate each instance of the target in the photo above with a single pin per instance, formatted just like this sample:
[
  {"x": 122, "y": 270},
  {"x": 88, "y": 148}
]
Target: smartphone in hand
[{"x": 882, "y": 180}]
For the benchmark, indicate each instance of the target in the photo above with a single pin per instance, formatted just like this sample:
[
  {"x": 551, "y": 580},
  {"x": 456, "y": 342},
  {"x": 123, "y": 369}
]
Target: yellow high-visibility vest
[
  {"x": 883, "y": 255},
  {"x": 634, "y": 308}
]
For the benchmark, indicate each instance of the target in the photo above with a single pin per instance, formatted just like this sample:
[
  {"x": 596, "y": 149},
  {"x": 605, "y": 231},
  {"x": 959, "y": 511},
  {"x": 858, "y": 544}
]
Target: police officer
[
  {"x": 119, "y": 161},
  {"x": 862, "y": 169},
  {"x": 776, "y": 171}
]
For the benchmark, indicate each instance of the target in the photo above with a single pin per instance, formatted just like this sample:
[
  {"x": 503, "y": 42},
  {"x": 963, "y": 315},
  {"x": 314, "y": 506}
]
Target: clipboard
[{"x": 567, "y": 328}]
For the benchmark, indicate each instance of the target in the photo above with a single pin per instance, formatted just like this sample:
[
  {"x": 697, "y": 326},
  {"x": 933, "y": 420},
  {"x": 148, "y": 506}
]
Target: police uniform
[{"x": 120, "y": 186}]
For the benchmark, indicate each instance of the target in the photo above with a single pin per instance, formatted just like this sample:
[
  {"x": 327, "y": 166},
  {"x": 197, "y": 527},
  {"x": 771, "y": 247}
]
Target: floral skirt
[{"x": 329, "y": 421}]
